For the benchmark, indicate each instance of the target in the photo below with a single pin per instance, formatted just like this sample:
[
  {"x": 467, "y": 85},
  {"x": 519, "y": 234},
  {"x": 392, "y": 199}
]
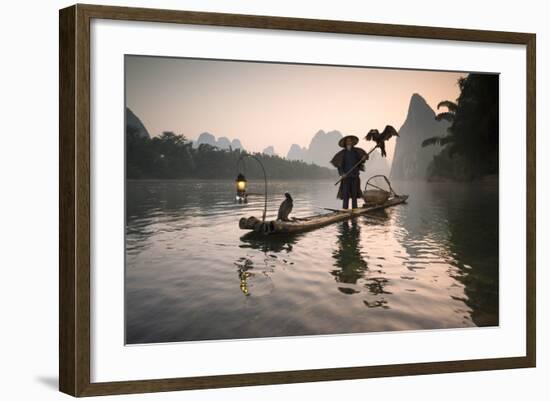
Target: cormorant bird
[
  {"x": 285, "y": 208},
  {"x": 381, "y": 137}
]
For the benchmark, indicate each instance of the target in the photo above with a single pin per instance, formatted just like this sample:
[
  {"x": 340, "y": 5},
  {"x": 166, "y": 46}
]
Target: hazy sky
[{"x": 266, "y": 104}]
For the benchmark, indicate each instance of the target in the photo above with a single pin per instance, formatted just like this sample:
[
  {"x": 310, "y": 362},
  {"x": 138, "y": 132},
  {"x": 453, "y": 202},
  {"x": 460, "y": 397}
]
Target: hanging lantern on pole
[{"x": 240, "y": 184}]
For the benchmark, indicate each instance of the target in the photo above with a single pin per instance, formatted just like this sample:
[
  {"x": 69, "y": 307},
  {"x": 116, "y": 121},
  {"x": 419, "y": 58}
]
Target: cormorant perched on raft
[
  {"x": 285, "y": 208},
  {"x": 381, "y": 137}
]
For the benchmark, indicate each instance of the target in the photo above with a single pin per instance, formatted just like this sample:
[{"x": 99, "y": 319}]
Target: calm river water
[{"x": 192, "y": 274}]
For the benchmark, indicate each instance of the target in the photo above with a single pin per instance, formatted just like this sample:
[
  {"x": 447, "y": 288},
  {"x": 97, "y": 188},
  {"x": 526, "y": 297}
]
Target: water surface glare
[{"x": 192, "y": 274}]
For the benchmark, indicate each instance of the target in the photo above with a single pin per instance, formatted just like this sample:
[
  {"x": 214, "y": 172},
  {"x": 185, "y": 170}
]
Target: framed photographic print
[{"x": 250, "y": 200}]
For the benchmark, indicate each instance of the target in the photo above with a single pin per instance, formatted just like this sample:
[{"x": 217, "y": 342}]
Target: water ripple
[{"x": 192, "y": 274}]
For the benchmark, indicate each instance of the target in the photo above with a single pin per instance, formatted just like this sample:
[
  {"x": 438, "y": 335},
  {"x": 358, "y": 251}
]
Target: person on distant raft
[{"x": 349, "y": 162}]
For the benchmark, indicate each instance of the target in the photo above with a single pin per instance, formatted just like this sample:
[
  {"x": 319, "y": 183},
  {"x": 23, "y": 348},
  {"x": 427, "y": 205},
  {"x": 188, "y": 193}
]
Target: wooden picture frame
[{"x": 74, "y": 204}]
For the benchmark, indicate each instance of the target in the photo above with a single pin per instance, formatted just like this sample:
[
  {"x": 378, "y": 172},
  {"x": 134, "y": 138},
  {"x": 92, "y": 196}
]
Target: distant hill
[
  {"x": 269, "y": 151},
  {"x": 236, "y": 144},
  {"x": 296, "y": 153},
  {"x": 220, "y": 143},
  {"x": 171, "y": 156},
  {"x": 205, "y": 138},
  {"x": 323, "y": 147},
  {"x": 410, "y": 159},
  {"x": 223, "y": 143},
  {"x": 134, "y": 124}
]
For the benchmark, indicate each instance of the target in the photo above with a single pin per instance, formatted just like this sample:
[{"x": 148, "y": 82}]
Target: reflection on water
[
  {"x": 191, "y": 274},
  {"x": 347, "y": 255},
  {"x": 274, "y": 243}
]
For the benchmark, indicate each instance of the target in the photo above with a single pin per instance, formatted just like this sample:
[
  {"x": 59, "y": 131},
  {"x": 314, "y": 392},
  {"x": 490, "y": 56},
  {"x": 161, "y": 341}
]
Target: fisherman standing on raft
[{"x": 349, "y": 162}]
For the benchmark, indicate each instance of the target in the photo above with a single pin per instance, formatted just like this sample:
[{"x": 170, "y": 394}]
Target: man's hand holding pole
[{"x": 363, "y": 159}]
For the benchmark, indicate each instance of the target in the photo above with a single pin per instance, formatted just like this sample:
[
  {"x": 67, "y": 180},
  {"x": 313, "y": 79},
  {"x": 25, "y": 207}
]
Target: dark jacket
[{"x": 343, "y": 161}]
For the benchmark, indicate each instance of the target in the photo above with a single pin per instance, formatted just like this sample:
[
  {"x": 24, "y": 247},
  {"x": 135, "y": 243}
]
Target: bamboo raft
[{"x": 316, "y": 221}]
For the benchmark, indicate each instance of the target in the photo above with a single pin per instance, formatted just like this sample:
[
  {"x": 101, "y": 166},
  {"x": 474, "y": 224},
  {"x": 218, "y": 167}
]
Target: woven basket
[{"x": 375, "y": 196}]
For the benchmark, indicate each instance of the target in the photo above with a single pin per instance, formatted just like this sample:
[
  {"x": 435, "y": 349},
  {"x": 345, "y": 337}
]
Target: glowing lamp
[{"x": 240, "y": 184}]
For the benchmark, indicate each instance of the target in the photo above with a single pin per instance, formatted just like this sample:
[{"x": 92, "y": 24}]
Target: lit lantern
[{"x": 240, "y": 184}]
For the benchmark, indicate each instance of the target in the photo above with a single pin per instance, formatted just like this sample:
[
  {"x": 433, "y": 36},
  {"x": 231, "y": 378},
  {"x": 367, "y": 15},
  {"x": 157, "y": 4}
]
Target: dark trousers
[{"x": 348, "y": 192}]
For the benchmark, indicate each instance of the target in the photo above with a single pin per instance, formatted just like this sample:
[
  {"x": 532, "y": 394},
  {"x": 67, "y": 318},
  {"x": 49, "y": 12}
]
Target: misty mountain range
[
  {"x": 410, "y": 159},
  {"x": 321, "y": 149},
  {"x": 324, "y": 145},
  {"x": 222, "y": 142}
]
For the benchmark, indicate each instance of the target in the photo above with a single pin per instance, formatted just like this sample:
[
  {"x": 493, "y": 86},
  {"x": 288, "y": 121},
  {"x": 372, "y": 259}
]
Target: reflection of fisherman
[
  {"x": 347, "y": 257},
  {"x": 347, "y": 161}
]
